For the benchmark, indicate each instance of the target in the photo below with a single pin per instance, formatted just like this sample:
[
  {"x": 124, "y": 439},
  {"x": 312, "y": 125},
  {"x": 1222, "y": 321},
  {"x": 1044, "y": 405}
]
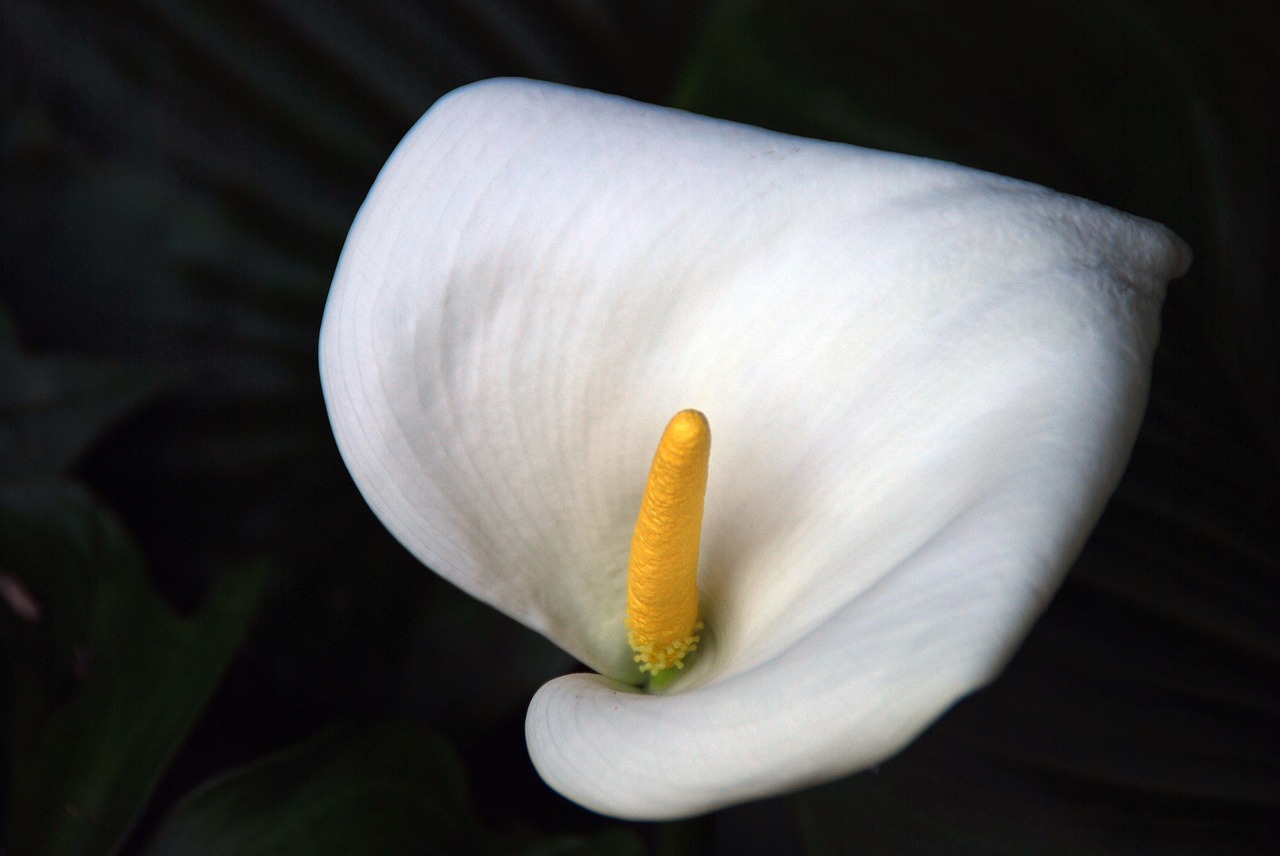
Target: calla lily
[{"x": 923, "y": 383}]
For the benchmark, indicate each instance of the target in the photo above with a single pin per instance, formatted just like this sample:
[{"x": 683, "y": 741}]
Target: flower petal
[{"x": 923, "y": 383}]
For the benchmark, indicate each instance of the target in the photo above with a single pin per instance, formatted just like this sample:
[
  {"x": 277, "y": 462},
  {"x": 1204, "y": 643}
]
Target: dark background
[{"x": 193, "y": 588}]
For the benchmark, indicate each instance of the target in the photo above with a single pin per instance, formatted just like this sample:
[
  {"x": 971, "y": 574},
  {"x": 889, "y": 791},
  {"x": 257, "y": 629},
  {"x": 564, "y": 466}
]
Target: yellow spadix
[{"x": 662, "y": 577}]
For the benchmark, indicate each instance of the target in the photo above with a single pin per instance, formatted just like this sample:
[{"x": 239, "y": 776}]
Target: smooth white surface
[{"x": 923, "y": 383}]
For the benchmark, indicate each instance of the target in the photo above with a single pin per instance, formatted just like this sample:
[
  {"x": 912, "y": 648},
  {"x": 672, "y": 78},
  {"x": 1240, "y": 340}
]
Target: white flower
[{"x": 923, "y": 383}]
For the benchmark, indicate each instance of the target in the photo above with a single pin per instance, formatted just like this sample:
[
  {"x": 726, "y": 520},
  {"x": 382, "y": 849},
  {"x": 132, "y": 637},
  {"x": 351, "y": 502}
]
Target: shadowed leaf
[
  {"x": 52, "y": 407},
  {"x": 385, "y": 789},
  {"x": 106, "y": 683}
]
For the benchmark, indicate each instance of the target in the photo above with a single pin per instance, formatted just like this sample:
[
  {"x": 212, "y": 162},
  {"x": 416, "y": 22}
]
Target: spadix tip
[{"x": 688, "y": 427}]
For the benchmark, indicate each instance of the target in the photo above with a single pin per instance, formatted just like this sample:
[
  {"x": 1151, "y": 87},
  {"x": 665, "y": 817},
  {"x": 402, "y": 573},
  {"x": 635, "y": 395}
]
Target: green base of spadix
[{"x": 661, "y": 680}]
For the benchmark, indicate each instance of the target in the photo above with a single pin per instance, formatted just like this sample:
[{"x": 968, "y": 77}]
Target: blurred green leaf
[
  {"x": 516, "y": 662},
  {"x": 384, "y": 789},
  {"x": 52, "y": 407},
  {"x": 104, "y": 680},
  {"x": 615, "y": 842}
]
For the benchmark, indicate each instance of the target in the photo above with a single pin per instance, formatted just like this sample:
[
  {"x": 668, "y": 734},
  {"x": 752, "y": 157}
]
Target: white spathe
[{"x": 923, "y": 383}]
